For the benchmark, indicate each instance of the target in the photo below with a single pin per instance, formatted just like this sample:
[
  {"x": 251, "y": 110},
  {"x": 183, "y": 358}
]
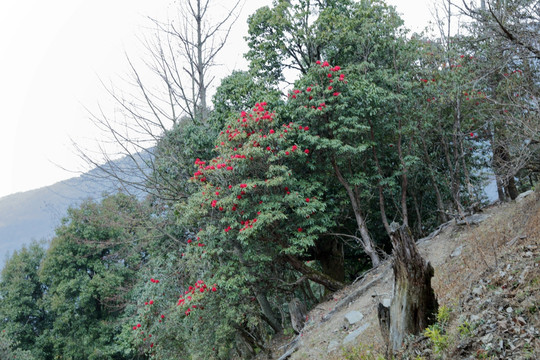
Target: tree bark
[
  {"x": 414, "y": 304},
  {"x": 266, "y": 310},
  {"x": 314, "y": 275},
  {"x": 298, "y": 312},
  {"x": 384, "y": 218},
  {"x": 367, "y": 243}
]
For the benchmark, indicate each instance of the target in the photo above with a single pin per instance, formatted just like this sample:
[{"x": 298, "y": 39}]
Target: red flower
[
  {"x": 272, "y": 131},
  {"x": 151, "y": 302},
  {"x": 306, "y": 151},
  {"x": 308, "y": 89},
  {"x": 307, "y": 199},
  {"x": 138, "y": 325},
  {"x": 299, "y": 229},
  {"x": 214, "y": 288},
  {"x": 135, "y": 327},
  {"x": 229, "y": 167},
  {"x": 286, "y": 153},
  {"x": 330, "y": 88},
  {"x": 329, "y": 75},
  {"x": 325, "y": 64},
  {"x": 337, "y": 93},
  {"x": 243, "y": 185},
  {"x": 294, "y": 147},
  {"x": 163, "y": 316},
  {"x": 189, "y": 241}
]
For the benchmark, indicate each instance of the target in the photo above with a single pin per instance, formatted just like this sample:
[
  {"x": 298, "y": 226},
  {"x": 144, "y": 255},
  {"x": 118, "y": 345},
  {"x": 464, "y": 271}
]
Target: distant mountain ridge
[{"x": 35, "y": 214}]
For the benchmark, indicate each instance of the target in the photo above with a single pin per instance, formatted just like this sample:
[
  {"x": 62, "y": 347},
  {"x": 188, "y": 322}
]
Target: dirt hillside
[{"x": 487, "y": 280}]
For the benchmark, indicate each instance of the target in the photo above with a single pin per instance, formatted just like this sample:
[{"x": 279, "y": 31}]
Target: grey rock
[
  {"x": 524, "y": 195},
  {"x": 353, "y": 335},
  {"x": 352, "y": 317},
  {"x": 473, "y": 219},
  {"x": 478, "y": 291},
  {"x": 333, "y": 346},
  {"x": 487, "y": 338},
  {"x": 457, "y": 251}
]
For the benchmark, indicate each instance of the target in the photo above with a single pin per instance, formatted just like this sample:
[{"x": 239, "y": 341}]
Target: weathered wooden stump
[
  {"x": 414, "y": 304},
  {"x": 298, "y": 312}
]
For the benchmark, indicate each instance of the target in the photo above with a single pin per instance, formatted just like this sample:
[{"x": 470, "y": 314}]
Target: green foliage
[
  {"x": 443, "y": 315},
  {"x": 438, "y": 339},
  {"x": 465, "y": 329},
  {"x": 9, "y": 349},
  {"x": 88, "y": 270},
  {"x": 22, "y": 311}
]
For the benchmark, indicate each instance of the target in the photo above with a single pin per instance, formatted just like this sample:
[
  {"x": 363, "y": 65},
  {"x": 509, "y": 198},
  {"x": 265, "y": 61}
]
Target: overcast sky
[{"x": 53, "y": 55}]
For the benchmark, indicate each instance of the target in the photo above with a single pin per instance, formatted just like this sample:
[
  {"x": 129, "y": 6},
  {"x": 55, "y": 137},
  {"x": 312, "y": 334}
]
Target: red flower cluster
[
  {"x": 248, "y": 224},
  {"x": 198, "y": 287}
]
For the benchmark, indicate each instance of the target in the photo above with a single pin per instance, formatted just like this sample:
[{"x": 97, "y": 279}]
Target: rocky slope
[{"x": 487, "y": 280}]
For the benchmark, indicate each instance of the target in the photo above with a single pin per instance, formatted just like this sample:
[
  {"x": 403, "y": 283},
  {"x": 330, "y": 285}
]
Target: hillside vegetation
[
  {"x": 261, "y": 205},
  {"x": 487, "y": 280}
]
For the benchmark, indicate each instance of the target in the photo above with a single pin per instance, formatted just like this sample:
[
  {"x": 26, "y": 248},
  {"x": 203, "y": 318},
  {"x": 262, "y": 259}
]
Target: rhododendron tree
[
  {"x": 337, "y": 136},
  {"x": 252, "y": 199}
]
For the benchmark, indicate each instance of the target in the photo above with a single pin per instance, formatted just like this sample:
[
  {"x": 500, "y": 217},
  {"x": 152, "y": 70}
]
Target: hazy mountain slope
[{"x": 36, "y": 213}]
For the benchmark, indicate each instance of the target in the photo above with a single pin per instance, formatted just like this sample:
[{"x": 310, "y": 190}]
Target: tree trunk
[
  {"x": 414, "y": 304},
  {"x": 500, "y": 189},
  {"x": 367, "y": 243},
  {"x": 314, "y": 275},
  {"x": 511, "y": 188},
  {"x": 384, "y": 218},
  {"x": 298, "y": 313},
  {"x": 268, "y": 315}
]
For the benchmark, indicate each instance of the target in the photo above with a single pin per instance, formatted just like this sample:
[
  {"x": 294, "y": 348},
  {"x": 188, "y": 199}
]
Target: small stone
[
  {"x": 521, "y": 320},
  {"x": 487, "y": 338},
  {"x": 478, "y": 291},
  {"x": 457, "y": 251},
  {"x": 353, "y": 335},
  {"x": 352, "y": 318},
  {"x": 528, "y": 254},
  {"x": 333, "y": 346},
  {"x": 509, "y": 310},
  {"x": 387, "y": 302},
  {"x": 523, "y": 195}
]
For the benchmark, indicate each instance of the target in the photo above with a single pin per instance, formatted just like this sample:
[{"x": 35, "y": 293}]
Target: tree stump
[
  {"x": 414, "y": 304},
  {"x": 298, "y": 312}
]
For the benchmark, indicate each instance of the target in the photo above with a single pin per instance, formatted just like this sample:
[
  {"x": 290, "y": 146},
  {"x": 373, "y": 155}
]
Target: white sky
[{"x": 54, "y": 53}]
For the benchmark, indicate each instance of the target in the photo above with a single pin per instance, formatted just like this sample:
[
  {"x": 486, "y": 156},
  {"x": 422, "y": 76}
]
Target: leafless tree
[
  {"x": 169, "y": 88},
  {"x": 517, "y": 22}
]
